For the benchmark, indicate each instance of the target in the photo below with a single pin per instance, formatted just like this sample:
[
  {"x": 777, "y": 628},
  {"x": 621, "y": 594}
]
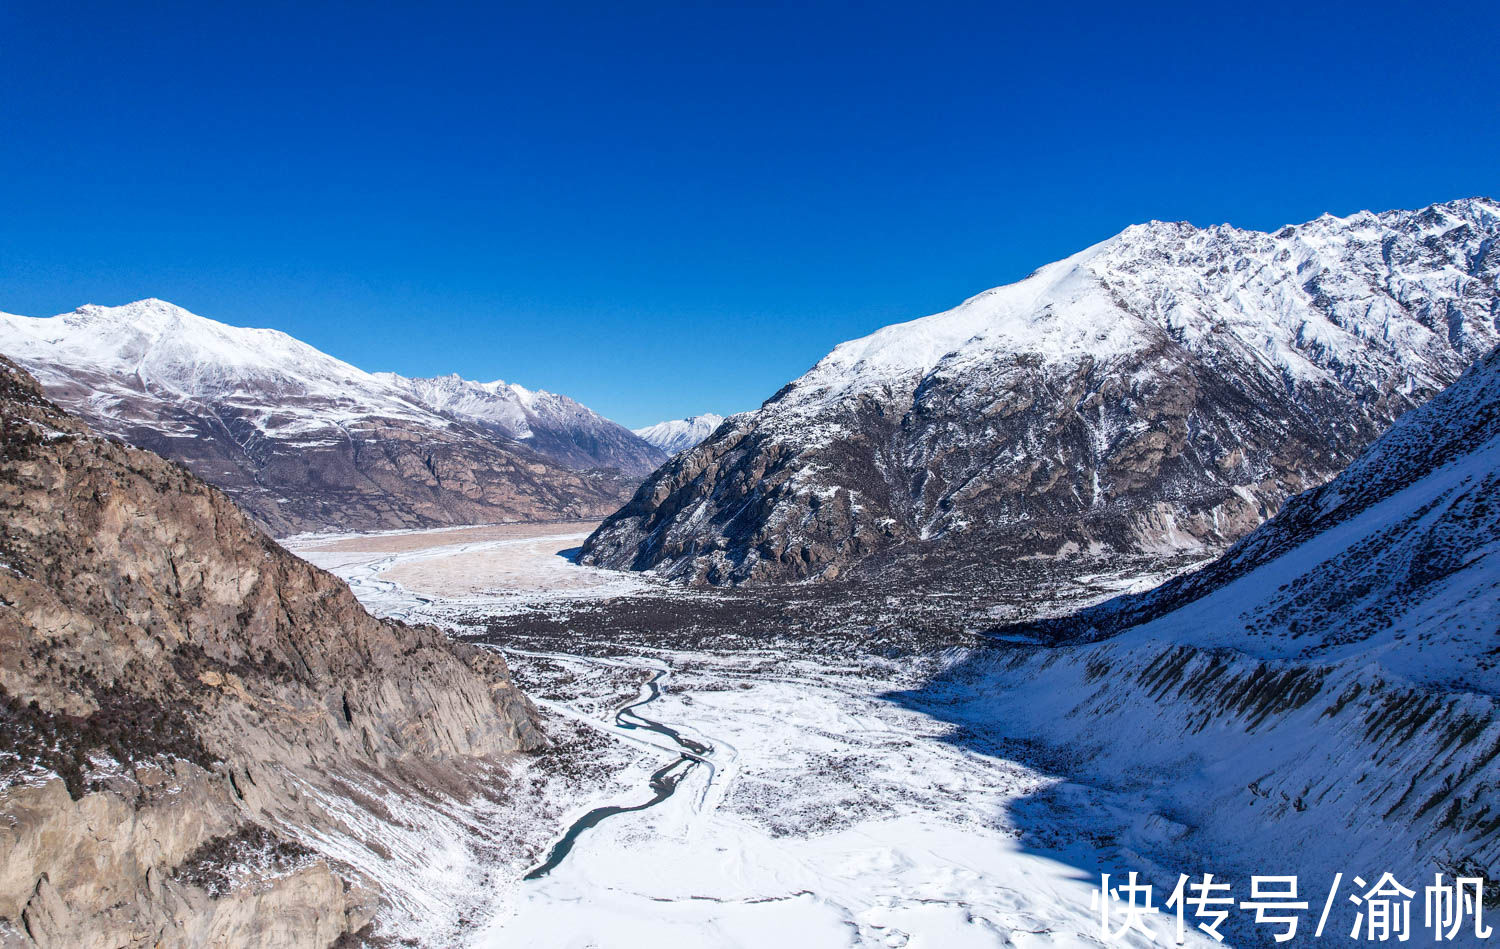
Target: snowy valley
[
  {"x": 1178, "y": 556},
  {"x": 794, "y": 799},
  {"x": 850, "y": 765}
]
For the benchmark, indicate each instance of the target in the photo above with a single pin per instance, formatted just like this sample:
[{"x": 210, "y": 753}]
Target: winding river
[{"x": 663, "y": 782}]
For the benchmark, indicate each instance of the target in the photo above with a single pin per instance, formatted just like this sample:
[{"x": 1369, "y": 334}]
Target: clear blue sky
[{"x": 662, "y": 209}]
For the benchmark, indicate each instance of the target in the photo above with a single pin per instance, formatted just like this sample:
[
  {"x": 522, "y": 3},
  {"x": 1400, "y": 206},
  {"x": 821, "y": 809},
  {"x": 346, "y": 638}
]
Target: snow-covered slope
[
  {"x": 154, "y": 349},
  {"x": 306, "y": 441},
  {"x": 1327, "y": 689},
  {"x": 1163, "y": 390},
  {"x": 678, "y": 435}
]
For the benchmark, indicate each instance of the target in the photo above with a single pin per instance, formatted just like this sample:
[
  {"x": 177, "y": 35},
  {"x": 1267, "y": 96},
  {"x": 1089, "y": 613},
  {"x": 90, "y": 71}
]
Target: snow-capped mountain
[
  {"x": 1163, "y": 390},
  {"x": 1327, "y": 688},
  {"x": 552, "y": 424},
  {"x": 305, "y": 441},
  {"x": 678, "y": 435}
]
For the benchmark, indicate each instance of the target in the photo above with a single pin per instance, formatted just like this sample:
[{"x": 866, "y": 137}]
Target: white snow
[
  {"x": 139, "y": 362},
  {"x": 1210, "y": 289},
  {"x": 1432, "y": 643},
  {"x": 514, "y": 409}
]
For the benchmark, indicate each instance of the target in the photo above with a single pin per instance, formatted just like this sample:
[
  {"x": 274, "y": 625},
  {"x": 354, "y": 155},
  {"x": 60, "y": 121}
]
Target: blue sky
[{"x": 671, "y": 208}]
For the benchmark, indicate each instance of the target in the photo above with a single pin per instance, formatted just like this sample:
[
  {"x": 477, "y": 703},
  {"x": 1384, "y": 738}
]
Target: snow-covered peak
[
  {"x": 678, "y": 435},
  {"x": 161, "y": 348},
  {"x": 111, "y": 362},
  {"x": 1053, "y": 308},
  {"x": 1309, "y": 301}
]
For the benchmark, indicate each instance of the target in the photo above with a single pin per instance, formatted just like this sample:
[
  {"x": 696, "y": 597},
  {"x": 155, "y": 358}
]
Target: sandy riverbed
[{"x": 396, "y": 542}]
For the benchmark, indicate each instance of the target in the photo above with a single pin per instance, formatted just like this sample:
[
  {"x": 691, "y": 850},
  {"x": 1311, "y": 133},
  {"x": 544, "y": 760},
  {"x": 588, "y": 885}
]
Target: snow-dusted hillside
[
  {"x": 1323, "y": 698},
  {"x": 306, "y": 441},
  {"x": 678, "y": 435},
  {"x": 1163, "y": 390}
]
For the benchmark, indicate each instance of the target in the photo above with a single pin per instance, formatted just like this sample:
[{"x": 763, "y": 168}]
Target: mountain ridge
[
  {"x": 306, "y": 441},
  {"x": 1162, "y": 390},
  {"x": 556, "y": 426}
]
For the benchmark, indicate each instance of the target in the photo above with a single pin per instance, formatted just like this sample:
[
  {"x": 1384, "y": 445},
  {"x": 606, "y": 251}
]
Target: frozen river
[{"x": 762, "y": 796}]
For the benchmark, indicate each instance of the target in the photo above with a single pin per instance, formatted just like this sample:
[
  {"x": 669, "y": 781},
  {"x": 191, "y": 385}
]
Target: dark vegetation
[
  {"x": 252, "y": 846},
  {"x": 951, "y": 604},
  {"x": 126, "y": 727}
]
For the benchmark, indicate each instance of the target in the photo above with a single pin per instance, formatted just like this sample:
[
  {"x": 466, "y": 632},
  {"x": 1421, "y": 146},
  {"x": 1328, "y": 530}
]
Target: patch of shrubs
[
  {"x": 212, "y": 863},
  {"x": 125, "y": 726},
  {"x": 18, "y": 438},
  {"x": 189, "y": 660}
]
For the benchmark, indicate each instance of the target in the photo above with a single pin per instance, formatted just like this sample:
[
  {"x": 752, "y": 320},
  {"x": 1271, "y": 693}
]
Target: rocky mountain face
[
  {"x": 304, "y": 441},
  {"x": 188, "y": 712},
  {"x": 1327, "y": 688},
  {"x": 678, "y": 435},
  {"x": 1162, "y": 391}
]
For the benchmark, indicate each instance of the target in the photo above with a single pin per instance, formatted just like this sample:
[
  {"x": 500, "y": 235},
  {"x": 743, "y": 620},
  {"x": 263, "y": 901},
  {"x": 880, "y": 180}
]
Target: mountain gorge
[
  {"x": 305, "y": 442},
  {"x": 1162, "y": 391},
  {"x": 204, "y": 737}
]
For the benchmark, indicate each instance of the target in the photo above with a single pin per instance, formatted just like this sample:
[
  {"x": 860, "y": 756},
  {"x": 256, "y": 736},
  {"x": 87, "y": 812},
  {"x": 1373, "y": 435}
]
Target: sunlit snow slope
[{"x": 678, "y": 435}]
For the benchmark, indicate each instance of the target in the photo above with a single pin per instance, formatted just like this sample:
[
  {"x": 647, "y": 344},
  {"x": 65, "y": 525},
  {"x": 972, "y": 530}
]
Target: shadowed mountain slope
[{"x": 1322, "y": 699}]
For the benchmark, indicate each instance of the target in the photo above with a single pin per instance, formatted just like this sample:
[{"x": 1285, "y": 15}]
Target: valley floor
[{"x": 765, "y": 780}]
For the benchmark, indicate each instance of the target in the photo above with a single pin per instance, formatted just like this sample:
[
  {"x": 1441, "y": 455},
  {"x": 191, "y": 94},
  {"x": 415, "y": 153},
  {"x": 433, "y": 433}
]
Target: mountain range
[
  {"x": 1162, "y": 391},
  {"x": 304, "y": 441}
]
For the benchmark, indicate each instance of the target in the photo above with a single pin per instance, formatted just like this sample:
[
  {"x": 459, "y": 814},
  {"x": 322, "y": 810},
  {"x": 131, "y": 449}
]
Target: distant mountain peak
[{"x": 678, "y": 435}]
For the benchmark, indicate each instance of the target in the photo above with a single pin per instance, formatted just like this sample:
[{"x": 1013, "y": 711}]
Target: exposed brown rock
[{"x": 171, "y": 678}]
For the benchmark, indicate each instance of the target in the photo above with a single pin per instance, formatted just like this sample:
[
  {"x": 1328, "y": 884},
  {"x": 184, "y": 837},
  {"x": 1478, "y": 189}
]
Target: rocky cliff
[
  {"x": 1165, "y": 390},
  {"x": 183, "y": 701}
]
